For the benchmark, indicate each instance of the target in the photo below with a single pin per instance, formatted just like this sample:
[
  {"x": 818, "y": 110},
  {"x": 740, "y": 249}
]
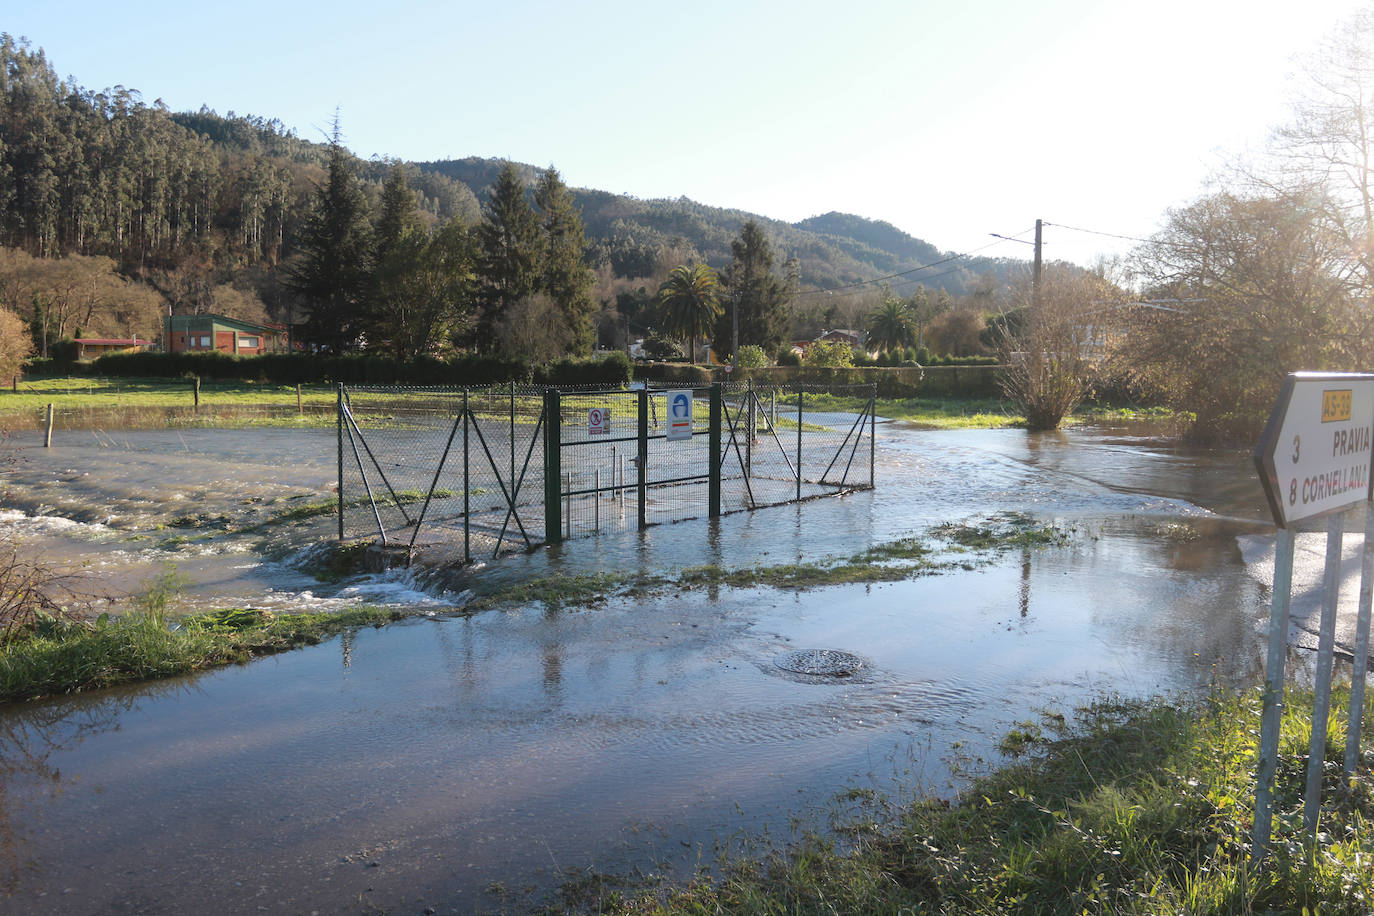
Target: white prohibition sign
[{"x": 598, "y": 421}]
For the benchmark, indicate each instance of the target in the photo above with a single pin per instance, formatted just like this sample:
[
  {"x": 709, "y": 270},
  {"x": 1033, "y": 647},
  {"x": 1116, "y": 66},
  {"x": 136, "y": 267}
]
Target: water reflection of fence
[{"x": 501, "y": 468}]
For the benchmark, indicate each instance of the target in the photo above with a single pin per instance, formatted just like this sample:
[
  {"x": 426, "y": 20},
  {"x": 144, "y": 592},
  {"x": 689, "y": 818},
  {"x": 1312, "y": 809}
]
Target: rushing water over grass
[{"x": 419, "y": 764}]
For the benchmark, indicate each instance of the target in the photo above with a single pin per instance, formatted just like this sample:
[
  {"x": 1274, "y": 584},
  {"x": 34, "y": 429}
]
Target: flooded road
[{"x": 470, "y": 763}]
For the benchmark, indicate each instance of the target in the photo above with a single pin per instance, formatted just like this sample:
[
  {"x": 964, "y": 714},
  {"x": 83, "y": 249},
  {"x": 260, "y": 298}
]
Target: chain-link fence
[
  {"x": 501, "y": 468},
  {"x": 785, "y": 444}
]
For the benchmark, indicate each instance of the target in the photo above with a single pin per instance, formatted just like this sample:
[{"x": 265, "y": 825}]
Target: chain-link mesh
[
  {"x": 782, "y": 444},
  {"x": 459, "y": 466},
  {"x": 466, "y": 467}
]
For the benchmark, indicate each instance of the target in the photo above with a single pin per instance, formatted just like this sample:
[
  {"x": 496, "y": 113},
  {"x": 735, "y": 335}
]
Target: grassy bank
[
  {"x": 1132, "y": 807},
  {"x": 140, "y": 646}
]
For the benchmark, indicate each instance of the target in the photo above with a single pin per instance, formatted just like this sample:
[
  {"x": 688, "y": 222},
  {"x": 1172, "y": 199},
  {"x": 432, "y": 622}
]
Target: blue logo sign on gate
[{"x": 679, "y": 414}]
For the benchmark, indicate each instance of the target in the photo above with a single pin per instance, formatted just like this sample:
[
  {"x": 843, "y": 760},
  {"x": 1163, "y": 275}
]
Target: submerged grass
[
  {"x": 944, "y": 548},
  {"x": 1133, "y": 807},
  {"x": 70, "y": 656}
]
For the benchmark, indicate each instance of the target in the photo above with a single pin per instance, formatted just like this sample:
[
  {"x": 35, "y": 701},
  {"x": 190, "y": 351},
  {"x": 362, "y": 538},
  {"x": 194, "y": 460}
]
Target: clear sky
[{"x": 950, "y": 120}]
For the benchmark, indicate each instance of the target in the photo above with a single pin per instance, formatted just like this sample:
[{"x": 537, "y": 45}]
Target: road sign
[
  {"x": 1314, "y": 456},
  {"x": 1313, "y": 459},
  {"x": 598, "y": 421},
  {"x": 679, "y": 414}
]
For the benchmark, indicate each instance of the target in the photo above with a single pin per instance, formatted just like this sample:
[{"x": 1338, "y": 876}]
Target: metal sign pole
[
  {"x": 1326, "y": 643},
  {"x": 1357, "y": 674},
  {"x": 1273, "y": 694}
]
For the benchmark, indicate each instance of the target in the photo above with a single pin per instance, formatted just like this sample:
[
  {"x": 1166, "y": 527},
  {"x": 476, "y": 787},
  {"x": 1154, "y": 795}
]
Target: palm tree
[
  {"x": 890, "y": 325},
  {"x": 691, "y": 303}
]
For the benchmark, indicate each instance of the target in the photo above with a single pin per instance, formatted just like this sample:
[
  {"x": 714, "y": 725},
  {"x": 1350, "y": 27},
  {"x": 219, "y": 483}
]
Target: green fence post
[
  {"x": 642, "y": 457},
  {"x": 553, "y": 474},
  {"x": 872, "y": 436},
  {"x": 799, "y": 441},
  {"x": 467, "y": 483},
  {"x": 338, "y": 417},
  {"x": 713, "y": 491}
]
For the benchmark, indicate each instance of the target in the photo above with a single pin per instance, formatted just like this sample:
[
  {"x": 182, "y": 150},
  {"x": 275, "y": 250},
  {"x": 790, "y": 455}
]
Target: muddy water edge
[{"x": 471, "y": 762}]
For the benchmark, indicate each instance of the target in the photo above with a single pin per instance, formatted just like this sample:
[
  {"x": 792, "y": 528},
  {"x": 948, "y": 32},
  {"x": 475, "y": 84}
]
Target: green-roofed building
[{"x": 192, "y": 333}]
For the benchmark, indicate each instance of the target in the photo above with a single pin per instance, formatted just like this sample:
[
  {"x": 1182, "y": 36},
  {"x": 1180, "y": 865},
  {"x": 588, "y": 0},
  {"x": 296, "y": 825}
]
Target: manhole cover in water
[{"x": 821, "y": 662}]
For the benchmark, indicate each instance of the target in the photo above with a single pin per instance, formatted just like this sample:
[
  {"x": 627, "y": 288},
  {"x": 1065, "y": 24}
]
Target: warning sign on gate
[
  {"x": 1314, "y": 456},
  {"x": 598, "y": 421},
  {"x": 679, "y": 414}
]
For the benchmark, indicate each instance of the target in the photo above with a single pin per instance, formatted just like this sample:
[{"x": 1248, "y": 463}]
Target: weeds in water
[
  {"x": 34, "y": 596},
  {"x": 140, "y": 645}
]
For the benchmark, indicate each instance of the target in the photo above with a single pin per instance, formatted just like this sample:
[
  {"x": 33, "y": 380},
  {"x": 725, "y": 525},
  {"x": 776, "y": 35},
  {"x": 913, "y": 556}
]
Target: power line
[{"x": 1110, "y": 235}]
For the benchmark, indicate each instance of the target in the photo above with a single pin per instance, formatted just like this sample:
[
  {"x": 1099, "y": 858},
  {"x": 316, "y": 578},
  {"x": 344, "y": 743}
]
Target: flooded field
[{"x": 469, "y": 763}]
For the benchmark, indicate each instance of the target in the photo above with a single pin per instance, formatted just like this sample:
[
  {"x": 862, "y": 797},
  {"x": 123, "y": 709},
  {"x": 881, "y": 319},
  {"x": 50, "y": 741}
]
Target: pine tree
[
  {"x": 332, "y": 277},
  {"x": 508, "y": 262},
  {"x": 755, "y": 292},
  {"x": 399, "y": 214},
  {"x": 565, "y": 274}
]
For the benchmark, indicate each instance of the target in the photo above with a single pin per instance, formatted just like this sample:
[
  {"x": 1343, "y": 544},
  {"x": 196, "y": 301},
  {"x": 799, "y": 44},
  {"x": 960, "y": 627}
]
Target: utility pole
[
  {"x": 1035, "y": 272},
  {"x": 734, "y": 333}
]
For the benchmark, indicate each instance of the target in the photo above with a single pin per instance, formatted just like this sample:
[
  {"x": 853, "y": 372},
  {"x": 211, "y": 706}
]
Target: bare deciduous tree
[
  {"x": 1049, "y": 356},
  {"x": 1260, "y": 287}
]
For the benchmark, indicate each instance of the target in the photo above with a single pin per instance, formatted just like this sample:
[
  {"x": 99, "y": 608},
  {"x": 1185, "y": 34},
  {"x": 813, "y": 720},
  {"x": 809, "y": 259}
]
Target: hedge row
[
  {"x": 975, "y": 381},
  {"x": 354, "y": 369}
]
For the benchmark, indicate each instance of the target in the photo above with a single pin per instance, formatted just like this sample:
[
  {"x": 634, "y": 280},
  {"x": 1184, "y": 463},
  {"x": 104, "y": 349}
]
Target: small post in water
[{"x": 47, "y": 437}]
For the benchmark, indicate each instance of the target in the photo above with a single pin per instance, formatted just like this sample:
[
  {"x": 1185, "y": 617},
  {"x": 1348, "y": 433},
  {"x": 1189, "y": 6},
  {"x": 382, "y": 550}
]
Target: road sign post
[{"x": 1313, "y": 460}]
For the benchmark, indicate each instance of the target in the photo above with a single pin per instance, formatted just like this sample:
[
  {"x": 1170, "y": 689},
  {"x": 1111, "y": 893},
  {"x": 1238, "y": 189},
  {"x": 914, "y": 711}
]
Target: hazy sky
[{"x": 949, "y": 120}]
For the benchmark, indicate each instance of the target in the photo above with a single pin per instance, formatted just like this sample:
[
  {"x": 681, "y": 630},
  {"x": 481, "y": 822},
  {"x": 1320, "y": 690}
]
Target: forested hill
[
  {"x": 191, "y": 202},
  {"x": 835, "y": 249}
]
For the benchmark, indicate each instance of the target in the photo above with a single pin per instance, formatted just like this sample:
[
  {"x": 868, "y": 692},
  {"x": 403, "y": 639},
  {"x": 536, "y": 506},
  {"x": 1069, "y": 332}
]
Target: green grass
[
  {"x": 85, "y": 393},
  {"x": 237, "y": 404},
  {"x": 140, "y": 646},
  {"x": 1130, "y": 807}
]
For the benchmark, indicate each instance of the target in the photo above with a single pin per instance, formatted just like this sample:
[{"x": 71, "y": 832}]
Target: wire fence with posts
[{"x": 479, "y": 471}]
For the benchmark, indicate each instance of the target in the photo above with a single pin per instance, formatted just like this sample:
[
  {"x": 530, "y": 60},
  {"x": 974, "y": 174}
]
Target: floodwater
[{"x": 470, "y": 763}]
